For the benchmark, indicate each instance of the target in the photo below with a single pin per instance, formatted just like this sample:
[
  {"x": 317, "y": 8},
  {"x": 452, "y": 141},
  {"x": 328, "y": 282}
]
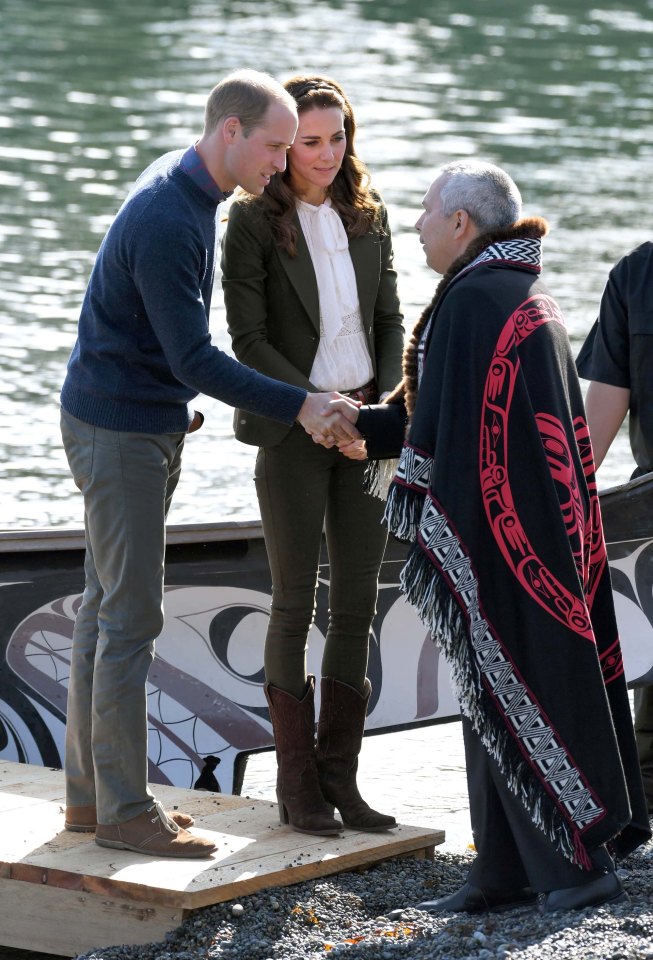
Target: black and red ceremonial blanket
[{"x": 508, "y": 568}]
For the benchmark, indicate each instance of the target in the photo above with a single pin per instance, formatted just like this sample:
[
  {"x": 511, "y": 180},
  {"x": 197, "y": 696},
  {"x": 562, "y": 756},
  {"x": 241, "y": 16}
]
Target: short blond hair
[{"x": 245, "y": 94}]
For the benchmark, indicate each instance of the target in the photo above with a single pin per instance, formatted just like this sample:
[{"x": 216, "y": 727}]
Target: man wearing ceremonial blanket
[{"x": 495, "y": 490}]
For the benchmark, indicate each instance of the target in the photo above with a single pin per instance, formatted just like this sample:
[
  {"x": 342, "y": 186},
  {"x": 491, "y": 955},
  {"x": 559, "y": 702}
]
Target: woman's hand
[{"x": 356, "y": 450}]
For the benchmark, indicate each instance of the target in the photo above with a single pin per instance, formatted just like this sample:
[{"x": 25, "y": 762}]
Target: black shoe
[
  {"x": 471, "y": 899},
  {"x": 605, "y": 889}
]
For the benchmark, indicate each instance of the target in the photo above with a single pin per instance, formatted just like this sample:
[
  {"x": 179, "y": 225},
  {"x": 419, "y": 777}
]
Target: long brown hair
[{"x": 350, "y": 192}]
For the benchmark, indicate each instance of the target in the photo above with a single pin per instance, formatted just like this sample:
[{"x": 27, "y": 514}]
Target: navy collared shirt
[{"x": 192, "y": 164}]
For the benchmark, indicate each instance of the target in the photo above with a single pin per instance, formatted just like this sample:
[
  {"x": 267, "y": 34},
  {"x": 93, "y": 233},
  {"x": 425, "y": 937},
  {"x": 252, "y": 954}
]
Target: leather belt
[{"x": 366, "y": 394}]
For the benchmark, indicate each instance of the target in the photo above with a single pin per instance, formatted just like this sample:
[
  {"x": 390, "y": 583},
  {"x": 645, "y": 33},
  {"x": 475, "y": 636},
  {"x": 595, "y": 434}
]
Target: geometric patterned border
[
  {"x": 414, "y": 468},
  {"x": 539, "y": 742}
]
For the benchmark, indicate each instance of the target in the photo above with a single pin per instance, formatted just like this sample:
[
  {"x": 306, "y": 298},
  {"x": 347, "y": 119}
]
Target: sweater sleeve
[{"x": 167, "y": 268}]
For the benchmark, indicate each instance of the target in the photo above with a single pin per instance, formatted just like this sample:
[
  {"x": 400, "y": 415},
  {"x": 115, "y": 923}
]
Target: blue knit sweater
[{"x": 143, "y": 349}]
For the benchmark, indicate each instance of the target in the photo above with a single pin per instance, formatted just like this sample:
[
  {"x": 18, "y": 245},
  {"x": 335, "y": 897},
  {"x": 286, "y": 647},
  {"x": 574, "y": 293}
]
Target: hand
[
  {"x": 327, "y": 437},
  {"x": 356, "y": 450},
  {"x": 329, "y": 418},
  {"x": 347, "y": 406},
  {"x": 196, "y": 422},
  {"x": 335, "y": 423}
]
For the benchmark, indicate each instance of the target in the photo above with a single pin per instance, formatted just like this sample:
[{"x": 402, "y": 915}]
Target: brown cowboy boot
[
  {"x": 339, "y": 738},
  {"x": 301, "y": 804}
]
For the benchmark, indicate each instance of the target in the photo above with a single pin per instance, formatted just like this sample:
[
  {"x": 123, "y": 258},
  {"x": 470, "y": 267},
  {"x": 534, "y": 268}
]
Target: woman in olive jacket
[{"x": 311, "y": 298}]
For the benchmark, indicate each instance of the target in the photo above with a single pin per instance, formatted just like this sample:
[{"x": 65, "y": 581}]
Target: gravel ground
[{"x": 347, "y": 915}]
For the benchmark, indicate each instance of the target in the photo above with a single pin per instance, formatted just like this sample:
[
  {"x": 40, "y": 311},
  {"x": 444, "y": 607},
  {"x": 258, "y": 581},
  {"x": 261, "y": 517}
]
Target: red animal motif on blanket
[{"x": 585, "y": 536}]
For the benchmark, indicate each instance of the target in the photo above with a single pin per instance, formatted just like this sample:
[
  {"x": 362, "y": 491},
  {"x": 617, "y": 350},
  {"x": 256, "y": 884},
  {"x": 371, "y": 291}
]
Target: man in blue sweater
[{"x": 143, "y": 353}]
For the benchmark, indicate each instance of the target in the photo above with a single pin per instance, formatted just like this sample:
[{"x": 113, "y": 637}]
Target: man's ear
[
  {"x": 464, "y": 227},
  {"x": 461, "y": 222},
  {"x": 230, "y": 129}
]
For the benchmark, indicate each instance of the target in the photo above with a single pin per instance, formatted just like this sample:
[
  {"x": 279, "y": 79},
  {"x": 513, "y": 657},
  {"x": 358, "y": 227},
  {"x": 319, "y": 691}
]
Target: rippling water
[{"x": 558, "y": 93}]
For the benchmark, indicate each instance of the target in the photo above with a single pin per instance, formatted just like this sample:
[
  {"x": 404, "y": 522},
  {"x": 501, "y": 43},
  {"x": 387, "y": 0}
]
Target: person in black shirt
[{"x": 617, "y": 357}]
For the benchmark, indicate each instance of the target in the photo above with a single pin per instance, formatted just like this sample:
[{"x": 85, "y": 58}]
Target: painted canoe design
[{"x": 206, "y": 706}]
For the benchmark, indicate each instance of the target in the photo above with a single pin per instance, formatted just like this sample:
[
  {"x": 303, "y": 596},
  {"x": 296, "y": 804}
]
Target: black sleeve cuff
[{"x": 383, "y": 428}]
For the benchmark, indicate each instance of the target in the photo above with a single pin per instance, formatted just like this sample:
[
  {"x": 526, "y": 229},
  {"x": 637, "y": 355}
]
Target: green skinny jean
[{"x": 302, "y": 490}]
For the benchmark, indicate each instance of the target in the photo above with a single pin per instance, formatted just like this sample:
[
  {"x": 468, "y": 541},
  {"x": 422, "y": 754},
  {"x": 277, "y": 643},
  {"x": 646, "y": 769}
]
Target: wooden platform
[{"x": 60, "y": 893}]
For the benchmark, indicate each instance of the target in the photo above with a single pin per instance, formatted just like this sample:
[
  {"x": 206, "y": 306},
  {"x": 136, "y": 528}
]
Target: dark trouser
[
  {"x": 644, "y": 735},
  {"x": 511, "y": 851},
  {"x": 302, "y": 489}
]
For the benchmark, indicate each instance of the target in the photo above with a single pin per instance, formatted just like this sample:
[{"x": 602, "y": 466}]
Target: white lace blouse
[{"x": 342, "y": 361}]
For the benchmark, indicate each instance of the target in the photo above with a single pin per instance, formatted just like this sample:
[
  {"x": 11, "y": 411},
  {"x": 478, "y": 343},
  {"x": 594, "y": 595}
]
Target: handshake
[{"x": 329, "y": 418}]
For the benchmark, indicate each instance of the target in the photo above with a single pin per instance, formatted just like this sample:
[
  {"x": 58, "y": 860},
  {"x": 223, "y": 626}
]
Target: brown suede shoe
[
  {"x": 84, "y": 819},
  {"x": 153, "y": 834}
]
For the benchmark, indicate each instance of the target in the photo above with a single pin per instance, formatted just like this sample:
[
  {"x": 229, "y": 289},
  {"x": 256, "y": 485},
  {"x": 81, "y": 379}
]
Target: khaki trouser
[{"x": 127, "y": 480}]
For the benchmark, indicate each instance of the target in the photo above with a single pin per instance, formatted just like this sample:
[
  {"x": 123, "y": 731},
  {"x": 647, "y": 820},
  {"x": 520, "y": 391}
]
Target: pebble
[
  {"x": 351, "y": 915},
  {"x": 368, "y": 916}
]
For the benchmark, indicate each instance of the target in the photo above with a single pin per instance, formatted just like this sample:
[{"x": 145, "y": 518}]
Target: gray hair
[
  {"x": 245, "y": 94},
  {"x": 486, "y": 192}
]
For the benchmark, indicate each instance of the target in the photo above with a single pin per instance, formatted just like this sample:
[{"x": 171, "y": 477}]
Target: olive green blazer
[{"x": 273, "y": 311}]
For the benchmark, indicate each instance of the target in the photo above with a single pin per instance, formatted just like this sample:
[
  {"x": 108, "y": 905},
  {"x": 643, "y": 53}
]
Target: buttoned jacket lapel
[{"x": 302, "y": 276}]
